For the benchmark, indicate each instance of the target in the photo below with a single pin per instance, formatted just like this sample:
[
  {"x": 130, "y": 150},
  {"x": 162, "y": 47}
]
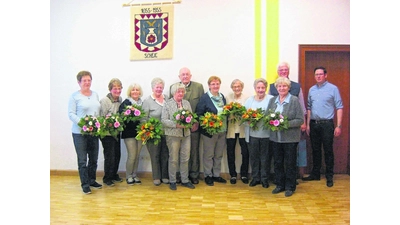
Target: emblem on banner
[{"x": 151, "y": 32}]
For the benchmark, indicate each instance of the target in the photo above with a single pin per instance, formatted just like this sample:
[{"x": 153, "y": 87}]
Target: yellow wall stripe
[
  {"x": 272, "y": 46},
  {"x": 257, "y": 39}
]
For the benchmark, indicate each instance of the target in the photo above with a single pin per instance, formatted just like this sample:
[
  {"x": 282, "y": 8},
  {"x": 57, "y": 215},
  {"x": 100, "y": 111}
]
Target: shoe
[
  {"x": 117, "y": 179},
  {"x": 277, "y": 190},
  {"x": 165, "y": 180},
  {"x": 288, "y": 193},
  {"x": 219, "y": 180},
  {"x": 178, "y": 180},
  {"x": 254, "y": 183},
  {"x": 329, "y": 183},
  {"x": 310, "y": 178},
  {"x": 194, "y": 180},
  {"x": 172, "y": 186},
  {"x": 96, "y": 185},
  {"x": 209, "y": 181},
  {"x": 245, "y": 180},
  {"x": 265, "y": 184},
  {"x": 109, "y": 183},
  {"x": 157, "y": 182},
  {"x": 130, "y": 181},
  {"x": 86, "y": 190},
  {"x": 137, "y": 180},
  {"x": 188, "y": 185},
  {"x": 233, "y": 180}
]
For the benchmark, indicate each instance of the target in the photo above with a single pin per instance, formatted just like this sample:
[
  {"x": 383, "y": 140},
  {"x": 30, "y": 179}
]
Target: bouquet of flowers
[
  {"x": 234, "y": 111},
  {"x": 211, "y": 122},
  {"x": 91, "y": 125},
  {"x": 185, "y": 118},
  {"x": 150, "y": 130},
  {"x": 132, "y": 113},
  {"x": 253, "y": 116},
  {"x": 113, "y": 124},
  {"x": 276, "y": 121}
]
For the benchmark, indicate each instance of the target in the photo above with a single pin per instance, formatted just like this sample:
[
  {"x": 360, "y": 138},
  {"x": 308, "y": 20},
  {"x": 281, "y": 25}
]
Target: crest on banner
[{"x": 151, "y": 32}]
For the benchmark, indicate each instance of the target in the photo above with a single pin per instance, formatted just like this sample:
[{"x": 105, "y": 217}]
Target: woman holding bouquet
[
  {"x": 257, "y": 137},
  {"x": 285, "y": 141},
  {"x": 152, "y": 107},
  {"x": 111, "y": 145},
  {"x": 213, "y": 145},
  {"x": 177, "y": 119},
  {"x": 133, "y": 146},
  {"x": 236, "y": 132},
  {"x": 81, "y": 103}
]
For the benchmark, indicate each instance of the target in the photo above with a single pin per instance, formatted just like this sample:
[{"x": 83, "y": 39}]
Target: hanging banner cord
[{"x": 151, "y": 3}]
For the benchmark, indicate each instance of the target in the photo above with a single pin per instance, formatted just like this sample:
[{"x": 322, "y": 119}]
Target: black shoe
[
  {"x": 310, "y": 178},
  {"x": 109, "y": 183},
  {"x": 209, "y": 181},
  {"x": 278, "y": 190},
  {"x": 265, "y": 184},
  {"x": 254, "y": 183},
  {"x": 329, "y": 183},
  {"x": 86, "y": 190},
  {"x": 188, "y": 185},
  {"x": 96, "y": 185},
  {"x": 219, "y": 180},
  {"x": 117, "y": 179},
  {"x": 172, "y": 186},
  {"x": 245, "y": 180},
  {"x": 194, "y": 180},
  {"x": 288, "y": 193},
  {"x": 233, "y": 180}
]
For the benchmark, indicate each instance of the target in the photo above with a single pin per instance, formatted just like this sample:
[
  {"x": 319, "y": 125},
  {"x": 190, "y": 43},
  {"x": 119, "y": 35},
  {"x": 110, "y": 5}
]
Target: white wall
[{"x": 210, "y": 37}]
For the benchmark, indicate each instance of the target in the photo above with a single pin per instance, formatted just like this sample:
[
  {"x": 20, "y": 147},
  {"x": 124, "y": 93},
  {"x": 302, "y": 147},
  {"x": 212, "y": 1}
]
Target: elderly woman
[
  {"x": 177, "y": 137},
  {"x": 284, "y": 142},
  {"x": 133, "y": 146},
  {"x": 112, "y": 146},
  {"x": 152, "y": 106},
  {"x": 258, "y": 139},
  {"x": 236, "y": 132},
  {"x": 213, "y": 145},
  {"x": 81, "y": 103}
]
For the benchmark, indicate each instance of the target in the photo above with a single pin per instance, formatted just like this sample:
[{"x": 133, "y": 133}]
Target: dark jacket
[
  {"x": 294, "y": 89},
  {"x": 130, "y": 128},
  {"x": 206, "y": 105}
]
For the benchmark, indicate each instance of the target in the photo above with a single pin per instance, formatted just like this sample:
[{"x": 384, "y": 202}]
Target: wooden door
[{"x": 336, "y": 60}]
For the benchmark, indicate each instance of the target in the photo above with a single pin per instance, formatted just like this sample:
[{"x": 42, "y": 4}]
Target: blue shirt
[
  {"x": 80, "y": 105},
  {"x": 323, "y": 100}
]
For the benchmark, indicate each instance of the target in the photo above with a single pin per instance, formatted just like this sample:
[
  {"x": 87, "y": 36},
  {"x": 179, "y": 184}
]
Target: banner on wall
[{"x": 151, "y": 32}]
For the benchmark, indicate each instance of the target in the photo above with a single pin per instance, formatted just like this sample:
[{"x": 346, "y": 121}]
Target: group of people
[{"x": 176, "y": 159}]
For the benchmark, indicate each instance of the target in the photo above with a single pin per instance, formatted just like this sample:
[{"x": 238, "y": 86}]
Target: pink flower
[
  {"x": 137, "y": 112},
  {"x": 116, "y": 124},
  {"x": 178, "y": 117},
  {"x": 188, "y": 119},
  {"x": 276, "y": 123},
  {"x": 84, "y": 128},
  {"x": 98, "y": 124},
  {"x": 127, "y": 112}
]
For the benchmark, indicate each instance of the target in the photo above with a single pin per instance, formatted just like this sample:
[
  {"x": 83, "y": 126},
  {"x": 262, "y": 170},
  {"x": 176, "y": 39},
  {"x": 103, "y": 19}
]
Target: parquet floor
[{"x": 312, "y": 203}]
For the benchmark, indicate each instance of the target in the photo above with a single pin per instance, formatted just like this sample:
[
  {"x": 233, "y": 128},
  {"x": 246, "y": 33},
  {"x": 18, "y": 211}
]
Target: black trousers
[
  {"x": 285, "y": 164},
  {"x": 231, "y": 149},
  {"x": 112, "y": 157},
  {"x": 321, "y": 136}
]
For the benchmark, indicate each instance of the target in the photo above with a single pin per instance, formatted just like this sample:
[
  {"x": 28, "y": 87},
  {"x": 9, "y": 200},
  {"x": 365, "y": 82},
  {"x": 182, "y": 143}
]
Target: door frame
[{"x": 303, "y": 49}]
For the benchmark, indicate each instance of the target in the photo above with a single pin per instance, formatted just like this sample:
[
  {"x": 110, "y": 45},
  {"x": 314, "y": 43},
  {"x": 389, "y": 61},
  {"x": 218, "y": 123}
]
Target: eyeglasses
[
  {"x": 319, "y": 74},
  {"x": 283, "y": 70}
]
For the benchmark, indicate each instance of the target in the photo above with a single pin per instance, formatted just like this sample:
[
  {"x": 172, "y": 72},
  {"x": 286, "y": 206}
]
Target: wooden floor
[{"x": 312, "y": 203}]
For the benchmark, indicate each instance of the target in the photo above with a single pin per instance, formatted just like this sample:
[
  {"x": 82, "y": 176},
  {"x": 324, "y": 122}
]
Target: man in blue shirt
[{"x": 323, "y": 99}]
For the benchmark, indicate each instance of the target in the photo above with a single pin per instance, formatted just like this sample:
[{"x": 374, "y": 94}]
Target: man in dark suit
[{"x": 194, "y": 91}]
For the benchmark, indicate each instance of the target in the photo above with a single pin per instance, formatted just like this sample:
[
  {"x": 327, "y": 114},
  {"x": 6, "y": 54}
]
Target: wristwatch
[{"x": 340, "y": 126}]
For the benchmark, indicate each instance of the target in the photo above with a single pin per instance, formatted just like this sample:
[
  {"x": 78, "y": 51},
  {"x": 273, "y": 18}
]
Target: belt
[{"x": 321, "y": 121}]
